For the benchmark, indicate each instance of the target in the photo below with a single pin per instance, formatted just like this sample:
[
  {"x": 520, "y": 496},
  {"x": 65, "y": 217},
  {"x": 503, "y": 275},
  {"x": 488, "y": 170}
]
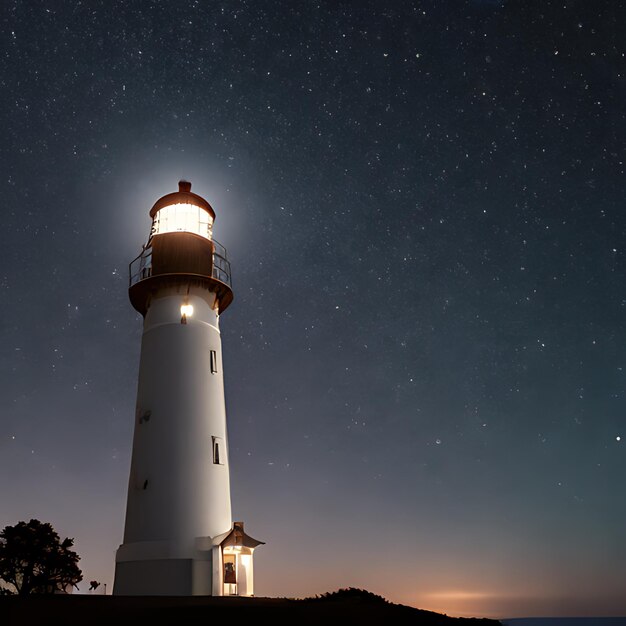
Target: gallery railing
[{"x": 141, "y": 267}]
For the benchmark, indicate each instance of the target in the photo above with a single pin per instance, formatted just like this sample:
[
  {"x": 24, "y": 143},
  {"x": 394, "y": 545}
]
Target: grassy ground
[{"x": 346, "y": 607}]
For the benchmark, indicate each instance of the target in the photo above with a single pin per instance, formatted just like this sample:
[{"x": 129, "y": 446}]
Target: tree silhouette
[{"x": 33, "y": 559}]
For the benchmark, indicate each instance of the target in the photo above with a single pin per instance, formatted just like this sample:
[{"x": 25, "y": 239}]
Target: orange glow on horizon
[{"x": 459, "y": 603}]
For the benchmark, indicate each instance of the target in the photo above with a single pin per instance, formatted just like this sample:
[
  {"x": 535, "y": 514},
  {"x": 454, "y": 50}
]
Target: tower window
[
  {"x": 218, "y": 451},
  {"x": 145, "y": 417},
  {"x": 213, "y": 362}
]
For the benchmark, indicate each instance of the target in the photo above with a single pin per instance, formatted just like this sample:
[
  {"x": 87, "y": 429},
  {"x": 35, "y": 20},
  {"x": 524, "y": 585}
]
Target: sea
[{"x": 565, "y": 621}]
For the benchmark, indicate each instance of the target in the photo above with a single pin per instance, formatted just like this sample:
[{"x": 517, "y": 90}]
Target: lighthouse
[{"x": 179, "y": 536}]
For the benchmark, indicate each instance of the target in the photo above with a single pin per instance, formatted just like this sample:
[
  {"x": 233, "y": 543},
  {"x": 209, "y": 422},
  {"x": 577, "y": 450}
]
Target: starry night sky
[{"x": 423, "y": 204}]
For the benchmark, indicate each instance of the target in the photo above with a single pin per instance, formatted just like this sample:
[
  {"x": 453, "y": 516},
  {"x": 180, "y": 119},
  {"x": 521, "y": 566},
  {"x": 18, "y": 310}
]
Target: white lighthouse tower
[{"x": 179, "y": 538}]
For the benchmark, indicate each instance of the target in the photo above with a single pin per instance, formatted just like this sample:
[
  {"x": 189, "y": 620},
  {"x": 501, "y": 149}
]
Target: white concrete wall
[
  {"x": 245, "y": 575},
  {"x": 218, "y": 572},
  {"x": 187, "y": 495}
]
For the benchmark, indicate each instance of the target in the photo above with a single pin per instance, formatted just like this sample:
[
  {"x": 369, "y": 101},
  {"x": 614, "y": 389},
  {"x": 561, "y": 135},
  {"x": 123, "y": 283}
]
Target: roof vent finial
[{"x": 184, "y": 185}]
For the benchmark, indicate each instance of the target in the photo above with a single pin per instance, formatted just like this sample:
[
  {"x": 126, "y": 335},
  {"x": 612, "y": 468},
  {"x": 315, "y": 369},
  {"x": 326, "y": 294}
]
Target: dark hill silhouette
[{"x": 346, "y": 606}]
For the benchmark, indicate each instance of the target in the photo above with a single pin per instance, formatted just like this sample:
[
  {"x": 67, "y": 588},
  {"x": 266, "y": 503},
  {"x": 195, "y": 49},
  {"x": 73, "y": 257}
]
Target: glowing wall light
[{"x": 186, "y": 310}]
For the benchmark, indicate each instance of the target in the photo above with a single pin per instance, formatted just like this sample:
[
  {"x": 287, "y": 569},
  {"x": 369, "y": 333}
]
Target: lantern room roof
[
  {"x": 236, "y": 537},
  {"x": 182, "y": 196}
]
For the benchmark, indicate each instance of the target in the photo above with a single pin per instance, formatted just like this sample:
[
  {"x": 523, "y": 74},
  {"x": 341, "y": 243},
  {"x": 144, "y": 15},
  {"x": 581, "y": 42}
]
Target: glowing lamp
[{"x": 183, "y": 217}]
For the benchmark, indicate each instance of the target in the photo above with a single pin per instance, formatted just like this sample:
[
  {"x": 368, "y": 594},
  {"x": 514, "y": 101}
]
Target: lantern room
[
  {"x": 181, "y": 251},
  {"x": 180, "y": 217},
  {"x": 182, "y": 211}
]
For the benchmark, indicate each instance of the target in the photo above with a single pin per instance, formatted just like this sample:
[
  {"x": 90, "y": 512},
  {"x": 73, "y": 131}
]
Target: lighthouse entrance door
[{"x": 230, "y": 574}]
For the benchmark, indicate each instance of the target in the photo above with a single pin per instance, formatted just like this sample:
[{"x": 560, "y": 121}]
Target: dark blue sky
[{"x": 423, "y": 203}]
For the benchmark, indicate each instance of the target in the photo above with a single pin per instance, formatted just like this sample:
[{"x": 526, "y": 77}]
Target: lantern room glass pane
[{"x": 187, "y": 218}]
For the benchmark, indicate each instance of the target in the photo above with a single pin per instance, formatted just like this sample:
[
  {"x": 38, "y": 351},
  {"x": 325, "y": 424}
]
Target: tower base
[
  {"x": 158, "y": 568},
  {"x": 161, "y": 577},
  {"x": 214, "y": 566}
]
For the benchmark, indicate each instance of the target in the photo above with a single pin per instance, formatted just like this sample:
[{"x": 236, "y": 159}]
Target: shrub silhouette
[{"x": 351, "y": 594}]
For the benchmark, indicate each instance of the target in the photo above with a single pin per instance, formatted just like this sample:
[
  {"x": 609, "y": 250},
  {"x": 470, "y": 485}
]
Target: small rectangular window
[
  {"x": 213, "y": 362},
  {"x": 218, "y": 451}
]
